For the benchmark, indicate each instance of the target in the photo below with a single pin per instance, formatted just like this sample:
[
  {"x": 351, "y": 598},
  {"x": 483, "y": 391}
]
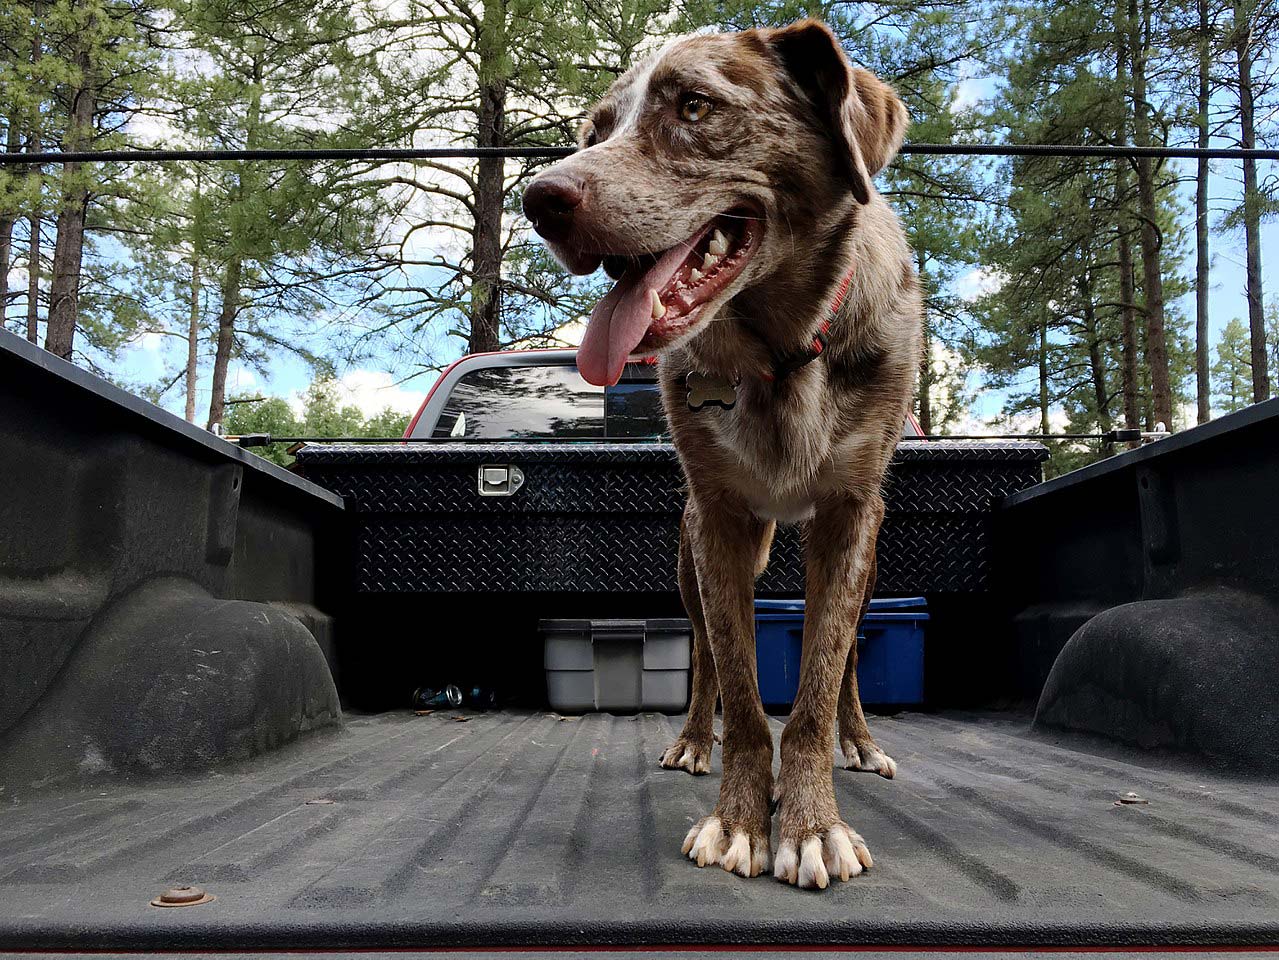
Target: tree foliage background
[{"x": 1062, "y": 293}]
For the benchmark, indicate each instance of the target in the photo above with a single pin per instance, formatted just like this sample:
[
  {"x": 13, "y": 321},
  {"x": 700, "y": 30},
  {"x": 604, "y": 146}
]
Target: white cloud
[
  {"x": 1028, "y": 422},
  {"x": 968, "y": 94},
  {"x": 242, "y": 378},
  {"x": 948, "y": 377},
  {"x": 155, "y": 131},
  {"x": 1187, "y": 415},
  {"x": 568, "y": 334},
  {"x": 151, "y": 342},
  {"x": 297, "y": 403},
  {"x": 375, "y": 390},
  {"x": 978, "y": 282}
]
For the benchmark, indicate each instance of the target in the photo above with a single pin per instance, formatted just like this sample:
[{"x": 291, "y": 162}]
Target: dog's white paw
[
  {"x": 687, "y": 755},
  {"x": 705, "y": 843},
  {"x": 745, "y": 856},
  {"x": 736, "y": 851},
  {"x": 812, "y": 861},
  {"x": 869, "y": 758}
]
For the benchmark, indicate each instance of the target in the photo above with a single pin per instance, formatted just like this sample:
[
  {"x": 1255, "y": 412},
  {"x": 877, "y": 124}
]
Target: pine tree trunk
[
  {"x": 1096, "y": 364},
  {"x": 33, "y": 221},
  {"x": 193, "y": 318},
  {"x": 1043, "y": 374},
  {"x": 1203, "y": 388},
  {"x": 1127, "y": 294},
  {"x": 68, "y": 248},
  {"x": 232, "y": 277},
  {"x": 1251, "y": 207},
  {"x": 926, "y": 385},
  {"x": 1151, "y": 241},
  {"x": 33, "y": 279},
  {"x": 68, "y": 255},
  {"x": 193, "y": 340},
  {"x": 12, "y": 143},
  {"x": 925, "y": 366},
  {"x": 486, "y": 293},
  {"x": 226, "y": 336},
  {"x": 6, "y": 252},
  {"x": 1128, "y": 319}
]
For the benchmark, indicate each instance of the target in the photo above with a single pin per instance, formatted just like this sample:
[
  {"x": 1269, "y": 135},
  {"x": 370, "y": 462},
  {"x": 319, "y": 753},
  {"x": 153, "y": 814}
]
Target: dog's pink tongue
[{"x": 619, "y": 321}]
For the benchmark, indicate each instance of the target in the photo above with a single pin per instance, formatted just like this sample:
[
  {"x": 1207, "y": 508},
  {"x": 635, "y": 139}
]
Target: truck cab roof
[{"x": 539, "y": 395}]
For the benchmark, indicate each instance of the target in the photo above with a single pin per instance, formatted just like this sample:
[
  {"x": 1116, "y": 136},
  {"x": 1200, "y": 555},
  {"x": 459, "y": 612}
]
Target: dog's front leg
[
  {"x": 815, "y": 843},
  {"x": 691, "y": 750},
  {"x": 726, "y": 540}
]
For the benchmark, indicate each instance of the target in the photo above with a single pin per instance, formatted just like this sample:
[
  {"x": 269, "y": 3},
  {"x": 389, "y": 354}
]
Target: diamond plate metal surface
[
  {"x": 462, "y": 451},
  {"x": 605, "y": 517}
]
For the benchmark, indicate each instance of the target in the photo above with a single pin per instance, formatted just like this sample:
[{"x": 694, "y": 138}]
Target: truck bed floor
[{"x": 521, "y": 828}]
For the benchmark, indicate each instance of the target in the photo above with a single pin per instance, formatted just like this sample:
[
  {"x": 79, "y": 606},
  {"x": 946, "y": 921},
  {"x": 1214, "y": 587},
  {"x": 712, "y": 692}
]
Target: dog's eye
[
  {"x": 589, "y": 136},
  {"x": 693, "y": 108}
]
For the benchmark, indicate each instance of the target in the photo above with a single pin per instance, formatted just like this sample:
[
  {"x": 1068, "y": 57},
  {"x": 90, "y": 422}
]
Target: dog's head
[{"x": 705, "y": 170}]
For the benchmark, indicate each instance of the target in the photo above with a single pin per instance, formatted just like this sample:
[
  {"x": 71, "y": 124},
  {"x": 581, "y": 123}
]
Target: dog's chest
[{"x": 780, "y": 452}]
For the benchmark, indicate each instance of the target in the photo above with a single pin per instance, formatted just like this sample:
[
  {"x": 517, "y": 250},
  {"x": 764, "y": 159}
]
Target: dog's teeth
[
  {"x": 695, "y": 275},
  {"x": 659, "y": 309},
  {"x": 709, "y": 260},
  {"x": 718, "y": 244}
]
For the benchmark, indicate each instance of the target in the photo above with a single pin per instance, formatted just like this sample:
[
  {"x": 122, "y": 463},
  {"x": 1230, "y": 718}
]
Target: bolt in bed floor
[{"x": 520, "y": 828}]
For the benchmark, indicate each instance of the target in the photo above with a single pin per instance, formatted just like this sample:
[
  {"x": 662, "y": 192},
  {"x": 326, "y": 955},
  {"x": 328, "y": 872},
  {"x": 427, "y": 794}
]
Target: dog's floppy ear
[{"x": 865, "y": 116}]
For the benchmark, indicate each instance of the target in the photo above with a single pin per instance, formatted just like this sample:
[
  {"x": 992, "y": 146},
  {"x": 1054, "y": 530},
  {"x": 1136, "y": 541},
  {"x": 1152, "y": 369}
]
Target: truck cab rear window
[{"x": 549, "y": 402}]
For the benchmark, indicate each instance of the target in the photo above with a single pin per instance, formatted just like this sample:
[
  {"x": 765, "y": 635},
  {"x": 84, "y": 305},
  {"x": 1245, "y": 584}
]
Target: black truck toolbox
[{"x": 568, "y": 516}]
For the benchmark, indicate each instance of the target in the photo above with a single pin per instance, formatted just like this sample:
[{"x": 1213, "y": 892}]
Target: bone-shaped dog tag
[{"x": 708, "y": 391}]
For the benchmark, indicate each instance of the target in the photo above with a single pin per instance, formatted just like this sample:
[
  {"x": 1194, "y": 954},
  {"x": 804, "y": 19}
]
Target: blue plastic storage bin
[{"x": 890, "y": 658}]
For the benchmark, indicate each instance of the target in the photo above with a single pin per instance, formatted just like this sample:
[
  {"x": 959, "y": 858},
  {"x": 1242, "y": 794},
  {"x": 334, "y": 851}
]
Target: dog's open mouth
[{"x": 659, "y": 297}]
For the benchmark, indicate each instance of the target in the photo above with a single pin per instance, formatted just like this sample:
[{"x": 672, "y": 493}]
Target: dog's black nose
[{"x": 550, "y": 201}]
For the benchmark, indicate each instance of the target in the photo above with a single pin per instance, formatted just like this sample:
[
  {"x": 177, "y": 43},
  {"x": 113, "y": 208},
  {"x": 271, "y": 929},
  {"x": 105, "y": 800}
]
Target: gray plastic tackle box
[{"x": 621, "y": 665}]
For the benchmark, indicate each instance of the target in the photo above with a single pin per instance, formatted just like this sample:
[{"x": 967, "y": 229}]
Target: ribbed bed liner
[{"x": 522, "y": 828}]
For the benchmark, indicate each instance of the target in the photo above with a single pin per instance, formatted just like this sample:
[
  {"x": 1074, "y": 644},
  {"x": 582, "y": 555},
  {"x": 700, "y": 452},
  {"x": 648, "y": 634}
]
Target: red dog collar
[{"x": 784, "y": 364}]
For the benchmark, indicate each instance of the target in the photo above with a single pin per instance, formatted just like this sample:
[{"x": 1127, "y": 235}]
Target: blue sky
[
  {"x": 388, "y": 378},
  {"x": 1227, "y": 285},
  {"x": 393, "y": 376}
]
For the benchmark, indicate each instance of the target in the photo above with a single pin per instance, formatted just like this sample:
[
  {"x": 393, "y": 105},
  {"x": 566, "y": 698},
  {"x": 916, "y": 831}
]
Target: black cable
[
  {"x": 262, "y": 439},
  {"x": 1013, "y": 436},
  {"x": 550, "y": 153},
  {"x": 351, "y": 153},
  {"x": 1083, "y": 150}
]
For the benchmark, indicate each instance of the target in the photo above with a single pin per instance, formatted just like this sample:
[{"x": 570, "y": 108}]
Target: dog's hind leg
[
  {"x": 860, "y": 750},
  {"x": 691, "y": 750},
  {"x": 726, "y": 538},
  {"x": 815, "y": 844},
  {"x": 766, "y": 548}
]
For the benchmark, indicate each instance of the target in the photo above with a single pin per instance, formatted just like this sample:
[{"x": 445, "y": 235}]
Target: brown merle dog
[{"x": 725, "y": 184}]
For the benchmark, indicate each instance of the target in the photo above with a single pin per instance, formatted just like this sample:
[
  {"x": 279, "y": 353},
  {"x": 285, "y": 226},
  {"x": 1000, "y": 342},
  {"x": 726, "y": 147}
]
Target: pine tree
[
  {"x": 323, "y": 415},
  {"x": 102, "y": 67},
  {"x": 922, "y": 48},
  {"x": 500, "y": 73},
  {"x": 274, "y": 240},
  {"x": 1232, "y": 373},
  {"x": 27, "y": 78},
  {"x": 1195, "y": 35},
  {"x": 1067, "y": 316},
  {"x": 1272, "y": 338},
  {"x": 1135, "y": 26},
  {"x": 942, "y": 203},
  {"x": 1252, "y": 35}
]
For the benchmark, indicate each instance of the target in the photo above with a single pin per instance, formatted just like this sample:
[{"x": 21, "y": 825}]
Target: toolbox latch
[{"x": 499, "y": 480}]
